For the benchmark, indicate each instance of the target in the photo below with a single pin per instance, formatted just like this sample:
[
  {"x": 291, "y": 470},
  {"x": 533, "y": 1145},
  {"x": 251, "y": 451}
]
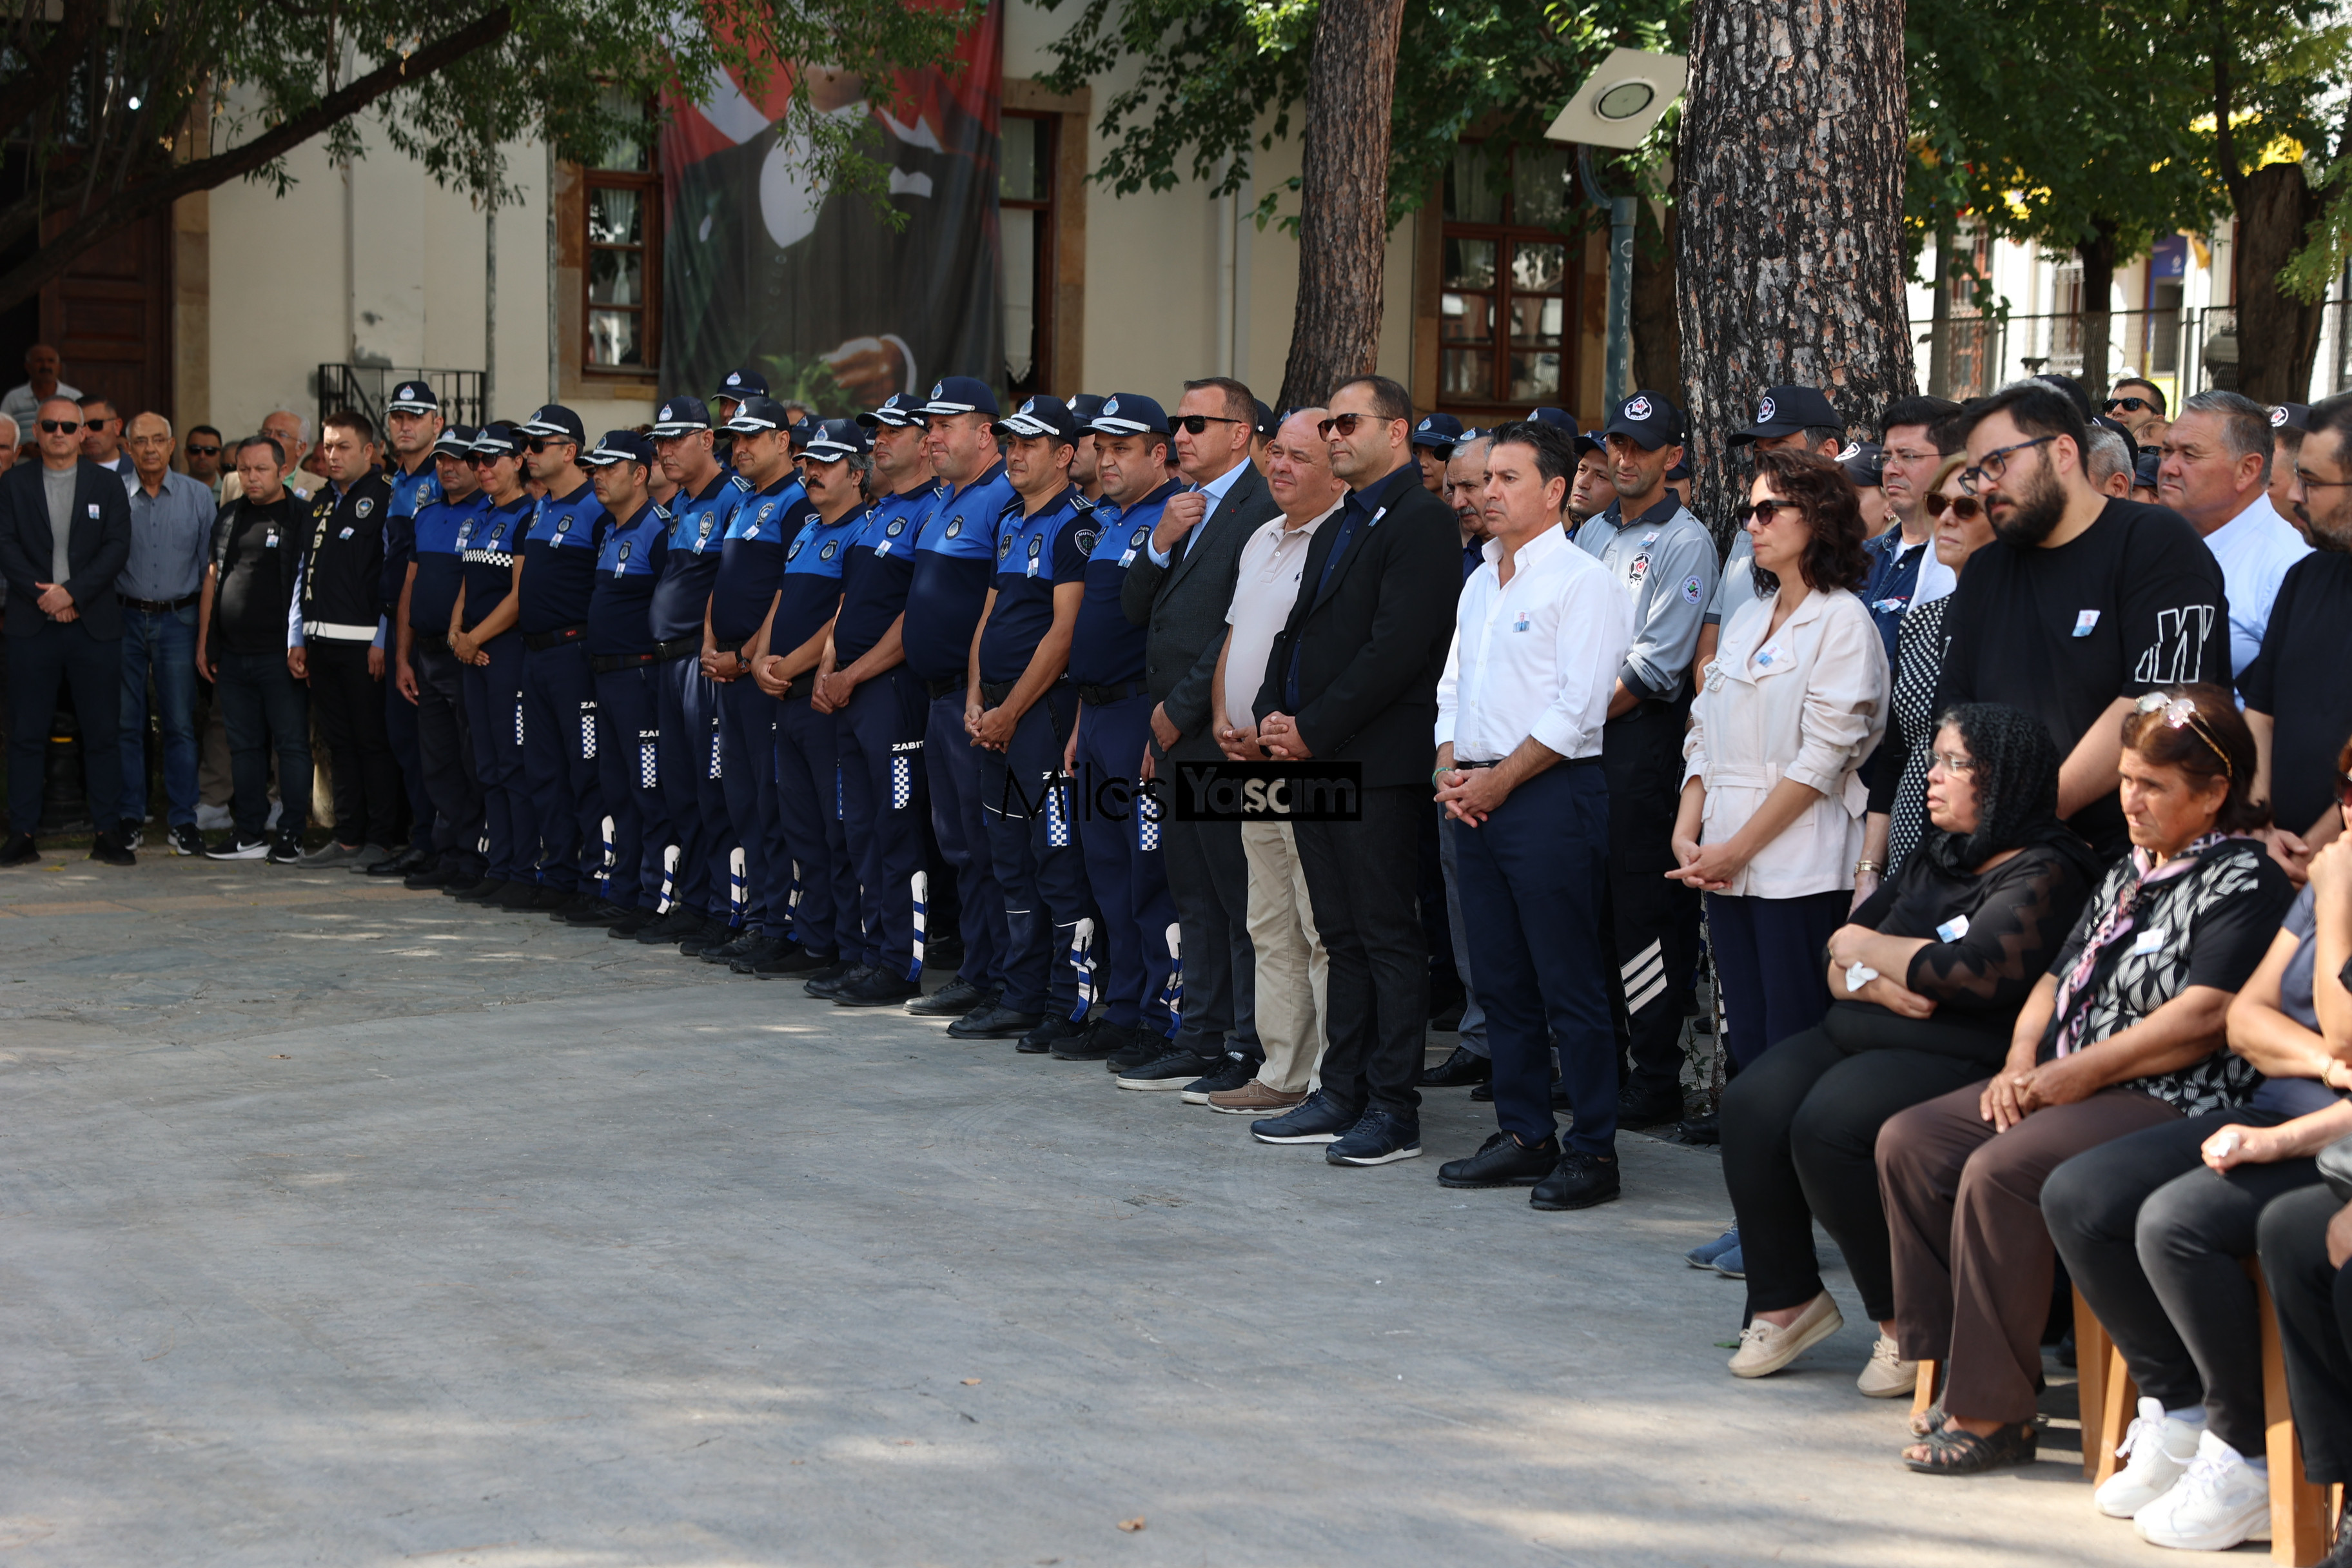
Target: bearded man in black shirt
[{"x": 2298, "y": 700}]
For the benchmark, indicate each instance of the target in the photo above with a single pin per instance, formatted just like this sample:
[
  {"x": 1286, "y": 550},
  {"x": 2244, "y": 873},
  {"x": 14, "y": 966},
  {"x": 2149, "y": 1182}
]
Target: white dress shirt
[
  {"x": 2254, "y": 548},
  {"x": 1266, "y": 586},
  {"x": 1215, "y": 490},
  {"x": 1808, "y": 703},
  {"x": 1538, "y": 656}
]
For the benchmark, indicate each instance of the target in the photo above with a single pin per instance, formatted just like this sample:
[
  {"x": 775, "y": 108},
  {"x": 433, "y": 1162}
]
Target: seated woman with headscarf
[
  {"x": 1929, "y": 976},
  {"x": 2125, "y": 1032}
]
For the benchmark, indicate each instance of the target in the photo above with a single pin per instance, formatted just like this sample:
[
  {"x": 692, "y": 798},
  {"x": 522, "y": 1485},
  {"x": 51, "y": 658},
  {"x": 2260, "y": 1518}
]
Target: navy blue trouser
[
  {"x": 446, "y": 747},
  {"x": 688, "y": 755},
  {"x": 1769, "y": 960},
  {"x": 807, "y": 762},
  {"x": 494, "y": 720},
  {"x": 884, "y": 795},
  {"x": 263, "y": 709},
  {"x": 747, "y": 765},
  {"x": 402, "y": 729},
  {"x": 725, "y": 889},
  {"x": 628, "y": 775},
  {"x": 952, "y": 762},
  {"x": 1118, "y": 829},
  {"x": 1034, "y": 847},
  {"x": 559, "y": 733},
  {"x": 1535, "y": 878}
]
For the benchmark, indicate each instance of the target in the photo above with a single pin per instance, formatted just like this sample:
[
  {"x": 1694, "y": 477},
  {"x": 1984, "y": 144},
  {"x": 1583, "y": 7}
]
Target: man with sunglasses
[
  {"x": 428, "y": 674},
  {"x": 101, "y": 436},
  {"x": 200, "y": 456},
  {"x": 2140, "y": 405},
  {"x": 65, "y": 535},
  {"x": 2081, "y": 603},
  {"x": 2298, "y": 701},
  {"x": 412, "y": 423}
]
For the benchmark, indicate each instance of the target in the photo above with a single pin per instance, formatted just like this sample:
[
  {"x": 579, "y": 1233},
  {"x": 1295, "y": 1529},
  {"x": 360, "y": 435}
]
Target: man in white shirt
[
  {"x": 1291, "y": 967},
  {"x": 1542, "y": 633},
  {"x": 2216, "y": 473},
  {"x": 41, "y": 384}
]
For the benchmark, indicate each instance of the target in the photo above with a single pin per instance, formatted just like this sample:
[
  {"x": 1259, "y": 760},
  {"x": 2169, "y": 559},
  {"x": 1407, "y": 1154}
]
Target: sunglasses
[
  {"x": 542, "y": 443},
  {"x": 196, "y": 451},
  {"x": 1342, "y": 423},
  {"x": 2133, "y": 404},
  {"x": 61, "y": 427},
  {"x": 1194, "y": 424},
  {"x": 489, "y": 459},
  {"x": 1961, "y": 507},
  {"x": 1764, "y": 511},
  {"x": 2180, "y": 713}
]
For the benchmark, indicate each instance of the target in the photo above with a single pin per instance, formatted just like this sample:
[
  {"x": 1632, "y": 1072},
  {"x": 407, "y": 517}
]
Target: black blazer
[
  {"x": 99, "y": 544},
  {"x": 1371, "y": 645},
  {"x": 1184, "y": 604}
]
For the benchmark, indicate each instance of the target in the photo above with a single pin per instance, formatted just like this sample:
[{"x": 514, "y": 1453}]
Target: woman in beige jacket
[{"x": 1771, "y": 817}]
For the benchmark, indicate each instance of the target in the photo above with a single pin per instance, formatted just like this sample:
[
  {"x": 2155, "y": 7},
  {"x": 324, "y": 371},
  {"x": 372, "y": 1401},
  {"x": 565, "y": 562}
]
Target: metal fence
[
  {"x": 366, "y": 387},
  {"x": 2182, "y": 351}
]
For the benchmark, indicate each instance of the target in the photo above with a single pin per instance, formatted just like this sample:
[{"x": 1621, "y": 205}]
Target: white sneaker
[
  {"x": 2221, "y": 1501},
  {"x": 2160, "y": 1451},
  {"x": 1887, "y": 1376},
  {"x": 1766, "y": 1347}
]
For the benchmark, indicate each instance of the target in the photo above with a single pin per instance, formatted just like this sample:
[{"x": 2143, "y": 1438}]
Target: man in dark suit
[
  {"x": 1180, "y": 589},
  {"x": 1353, "y": 678},
  {"x": 65, "y": 533}
]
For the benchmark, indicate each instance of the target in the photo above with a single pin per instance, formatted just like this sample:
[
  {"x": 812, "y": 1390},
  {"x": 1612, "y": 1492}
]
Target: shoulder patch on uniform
[
  {"x": 1691, "y": 589},
  {"x": 739, "y": 482},
  {"x": 1086, "y": 537}
]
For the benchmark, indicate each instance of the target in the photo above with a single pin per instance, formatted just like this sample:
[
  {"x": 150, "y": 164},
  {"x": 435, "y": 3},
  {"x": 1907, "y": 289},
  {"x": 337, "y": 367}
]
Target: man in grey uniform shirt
[{"x": 1665, "y": 558}]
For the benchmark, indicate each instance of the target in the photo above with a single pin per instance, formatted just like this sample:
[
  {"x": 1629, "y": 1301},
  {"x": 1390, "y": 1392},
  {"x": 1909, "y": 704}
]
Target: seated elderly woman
[
  {"x": 2153, "y": 1227},
  {"x": 1929, "y": 976},
  {"x": 2124, "y": 1032}
]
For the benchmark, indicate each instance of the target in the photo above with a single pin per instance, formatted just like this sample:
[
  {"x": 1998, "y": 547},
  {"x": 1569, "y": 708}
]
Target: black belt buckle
[
  {"x": 540, "y": 642},
  {"x": 1104, "y": 695},
  {"x": 677, "y": 647},
  {"x": 935, "y": 689}
]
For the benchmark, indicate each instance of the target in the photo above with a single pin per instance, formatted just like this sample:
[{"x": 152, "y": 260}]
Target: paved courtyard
[{"x": 342, "y": 1226}]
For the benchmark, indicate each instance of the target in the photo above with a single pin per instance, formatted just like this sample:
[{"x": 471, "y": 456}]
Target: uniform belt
[
  {"x": 540, "y": 642},
  {"x": 798, "y": 687},
  {"x": 160, "y": 606},
  {"x": 1104, "y": 695},
  {"x": 420, "y": 636},
  {"x": 678, "y": 647},
  {"x": 730, "y": 645},
  {"x": 935, "y": 689},
  {"x": 606, "y": 663},
  {"x": 993, "y": 693},
  {"x": 338, "y": 631}
]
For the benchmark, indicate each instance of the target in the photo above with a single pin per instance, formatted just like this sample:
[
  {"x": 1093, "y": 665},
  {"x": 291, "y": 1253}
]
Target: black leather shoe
[
  {"x": 489, "y": 891},
  {"x": 680, "y": 922},
  {"x": 1701, "y": 1129},
  {"x": 801, "y": 961},
  {"x": 1052, "y": 1030},
  {"x": 1101, "y": 1038},
  {"x": 1502, "y": 1161},
  {"x": 781, "y": 961},
  {"x": 519, "y": 896},
  {"x": 953, "y": 1000},
  {"x": 550, "y": 898},
  {"x": 20, "y": 851},
  {"x": 1459, "y": 1070},
  {"x": 733, "y": 947},
  {"x": 430, "y": 876},
  {"x": 401, "y": 865},
  {"x": 877, "y": 988},
  {"x": 1142, "y": 1046},
  {"x": 1235, "y": 1072},
  {"x": 713, "y": 935},
  {"x": 578, "y": 909},
  {"x": 1485, "y": 1093},
  {"x": 827, "y": 984},
  {"x": 760, "y": 949},
  {"x": 631, "y": 923},
  {"x": 109, "y": 850},
  {"x": 1638, "y": 1109},
  {"x": 1580, "y": 1180},
  {"x": 994, "y": 1022}
]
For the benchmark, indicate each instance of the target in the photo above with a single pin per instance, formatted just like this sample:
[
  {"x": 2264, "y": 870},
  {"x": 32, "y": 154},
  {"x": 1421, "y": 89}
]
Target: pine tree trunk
[
  {"x": 1792, "y": 161},
  {"x": 2097, "y": 255},
  {"x": 1343, "y": 198},
  {"x": 1657, "y": 323},
  {"x": 2278, "y": 335}
]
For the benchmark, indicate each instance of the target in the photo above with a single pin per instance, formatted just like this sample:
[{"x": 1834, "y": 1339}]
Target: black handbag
[{"x": 2336, "y": 1169}]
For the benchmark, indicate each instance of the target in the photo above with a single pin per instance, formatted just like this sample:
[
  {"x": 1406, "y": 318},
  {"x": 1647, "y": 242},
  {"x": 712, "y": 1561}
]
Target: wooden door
[{"x": 109, "y": 317}]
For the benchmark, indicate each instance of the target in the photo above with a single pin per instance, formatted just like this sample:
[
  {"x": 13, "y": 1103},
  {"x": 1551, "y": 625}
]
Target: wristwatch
[{"x": 1857, "y": 976}]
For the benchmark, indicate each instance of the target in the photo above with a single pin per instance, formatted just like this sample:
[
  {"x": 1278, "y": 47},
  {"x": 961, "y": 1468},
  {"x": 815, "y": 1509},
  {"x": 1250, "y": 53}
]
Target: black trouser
[
  {"x": 1799, "y": 1138},
  {"x": 1209, "y": 877},
  {"x": 348, "y": 704},
  {"x": 63, "y": 653},
  {"x": 445, "y": 751},
  {"x": 1364, "y": 880},
  {"x": 1651, "y": 924},
  {"x": 2314, "y": 1299},
  {"x": 2156, "y": 1241},
  {"x": 264, "y": 708}
]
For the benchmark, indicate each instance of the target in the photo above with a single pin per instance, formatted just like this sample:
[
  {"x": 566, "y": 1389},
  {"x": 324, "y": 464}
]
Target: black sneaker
[
  {"x": 1637, "y": 1108},
  {"x": 761, "y": 949},
  {"x": 879, "y": 988},
  {"x": 953, "y": 1000},
  {"x": 670, "y": 927},
  {"x": 410, "y": 858},
  {"x": 1582, "y": 1181},
  {"x": 1379, "y": 1138},
  {"x": 1502, "y": 1161},
  {"x": 484, "y": 894},
  {"x": 1238, "y": 1070},
  {"x": 286, "y": 849},
  {"x": 734, "y": 947},
  {"x": 1051, "y": 1030},
  {"x": 1703, "y": 1130},
  {"x": 631, "y": 923},
  {"x": 235, "y": 849},
  {"x": 21, "y": 852},
  {"x": 186, "y": 840},
  {"x": 1463, "y": 1069},
  {"x": 786, "y": 959},
  {"x": 1317, "y": 1119},
  {"x": 550, "y": 899},
  {"x": 1101, "y": 1038},
  {"x": 109, "y": 850},
  {"x": 828, "y": 983},
  {"x": 1142, "y": 1046},
  {"x": 432, "y": 874},
  {"x": 714, "y": 934},
  {"x": 1173, "y": 1070},
  {"x": 994, "y": 1022}
]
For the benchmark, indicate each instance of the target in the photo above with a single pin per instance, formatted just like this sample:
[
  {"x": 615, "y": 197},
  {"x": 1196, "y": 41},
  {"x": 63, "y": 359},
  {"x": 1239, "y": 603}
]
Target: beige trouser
[{"x": 1293, "y": 971}]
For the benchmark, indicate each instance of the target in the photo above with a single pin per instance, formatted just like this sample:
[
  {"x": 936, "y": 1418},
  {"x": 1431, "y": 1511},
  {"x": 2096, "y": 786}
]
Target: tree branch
[
  {"x": 58, "y": 252},
  {"x": 2225, "y": 141},
  {"x": 49, "y": 71}
]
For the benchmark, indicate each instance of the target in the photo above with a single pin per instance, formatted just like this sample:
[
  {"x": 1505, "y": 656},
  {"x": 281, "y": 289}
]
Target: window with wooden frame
[
  {"x": 621, "y": 280},
  {"x": 1027, "y": 212},
  {"x": 1510, "y": 295}
]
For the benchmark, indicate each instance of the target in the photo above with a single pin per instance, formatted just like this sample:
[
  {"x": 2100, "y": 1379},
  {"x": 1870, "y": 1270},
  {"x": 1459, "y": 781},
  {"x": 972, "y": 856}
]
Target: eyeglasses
[
  {"x": 2133, "y": 404},
  {"x": 1194, "y": 424},
  {"x": 1764, "y": 512},
  {"x": 1960, "y": 507},
  {"x": 1343, "y": 424},
  {"x": 2312, "y": 481},
  {"x": 2181, "y": 713},
  {"x": 1995, "y": 463},
  {"x": 1952, "y": 764},
  {"x": 196, "y": 451},
  {"x": 61, "y": 427},
  {"x": 1905, "y": 454}
]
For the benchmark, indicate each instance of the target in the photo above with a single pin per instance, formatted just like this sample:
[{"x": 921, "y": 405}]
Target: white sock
[{"x": 2192, "y": 1416}]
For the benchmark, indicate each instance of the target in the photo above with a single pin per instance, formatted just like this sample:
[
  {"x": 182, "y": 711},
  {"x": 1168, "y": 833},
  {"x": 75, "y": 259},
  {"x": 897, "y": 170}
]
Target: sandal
[
  {"x": 1954, "y": 1451},
  {"x": 1928, "y": 1422}
]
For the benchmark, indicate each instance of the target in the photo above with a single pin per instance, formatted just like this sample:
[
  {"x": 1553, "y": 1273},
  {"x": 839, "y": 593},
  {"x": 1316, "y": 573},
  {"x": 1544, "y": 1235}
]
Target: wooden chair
[{"x": 2303, "y": 1512}]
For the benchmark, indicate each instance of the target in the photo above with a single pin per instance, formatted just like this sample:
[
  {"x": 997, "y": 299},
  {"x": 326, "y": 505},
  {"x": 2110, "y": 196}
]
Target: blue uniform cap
[
  {"x": 1864, "y": 463},
  {"x": 681, "y": 417},
  {"x": 1085, "y": 407},
  {"x": 1788, "y": 411},
  {"x": 619, "y": 447},
  {"x": 1040, "y": 416},
  {"x": 500, "y": 439},
  {"x": 837, "y": 438},
  {"x": 456, "y": 441},
  {"x": 557, "y": 421},
  {"x": 1266, "y": 422},
  {"x": 1648, "y": 420},
  {"x": 759, "y": 412},
  {"x": 412, "y": 397},
  {"x": 961, "y": 394},
  {"x": 899, "y": 410},
  {"x": 1129, "y": 413},
  {"x": 742, "y": 384},
  {"x": 1442, "y": 432}
]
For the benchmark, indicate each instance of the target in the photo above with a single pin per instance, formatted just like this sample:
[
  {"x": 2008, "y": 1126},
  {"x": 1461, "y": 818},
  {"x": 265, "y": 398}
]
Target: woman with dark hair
[
  {"x": 2124, "y": 1032},
  {"x": 1770, "y": 821},
  {"x": 1928, "y": 975},
  {"x": 2155, "y": 1228}
]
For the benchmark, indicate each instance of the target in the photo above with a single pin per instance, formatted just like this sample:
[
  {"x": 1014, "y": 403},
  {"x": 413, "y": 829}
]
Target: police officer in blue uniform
[
  {"x": 955, "y": 556},
  {"x": 1019, "y": 711},
  {"x": 621, "y": 655},
  {"x": 736, "y": 384},
  {"x": 412, "y": 426},
  {"x": 692, "y": 789},
  {"x": 1119, "y": 824},
  {"x": 429, "y": 675},
  {"x": 483, "y": 639},
  {"x": 743, "y": 599},
  {"x": 559, "y": 721}
]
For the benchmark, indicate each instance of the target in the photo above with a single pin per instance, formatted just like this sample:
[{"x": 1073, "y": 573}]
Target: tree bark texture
[
  {"x": 1791, "y": 165},
  {"x": 2097, "y": 255},
  {"x": 1343, "y": 197},
  {"x": 1657, "y": 322},
  {"x": 2278, "y": 335}
]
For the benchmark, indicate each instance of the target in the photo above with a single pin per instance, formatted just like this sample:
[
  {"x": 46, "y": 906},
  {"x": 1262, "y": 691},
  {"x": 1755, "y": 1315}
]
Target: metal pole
[
  {"x": 1617, "y": 377},
  {"x": 489, "y": 304}
]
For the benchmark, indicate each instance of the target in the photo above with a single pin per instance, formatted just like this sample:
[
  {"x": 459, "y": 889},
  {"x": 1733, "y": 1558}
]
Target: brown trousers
[{"x": 1973, "y": 1261}]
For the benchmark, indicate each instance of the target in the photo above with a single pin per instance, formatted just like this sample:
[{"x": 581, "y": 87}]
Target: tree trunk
[
  {"x": 2278, "y": 335},
  {"x": 2098, "y": 257},
  {"x": 1657, "y": 327},
  {"x": 1940, "y": 310},
  {"x": 1791, "y": 161},
  {"x": 1343, "y": 197}
]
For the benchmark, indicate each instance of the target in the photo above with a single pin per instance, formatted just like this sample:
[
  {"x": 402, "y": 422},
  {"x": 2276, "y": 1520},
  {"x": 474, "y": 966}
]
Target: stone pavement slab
[{"x": 340, "y": 1225}]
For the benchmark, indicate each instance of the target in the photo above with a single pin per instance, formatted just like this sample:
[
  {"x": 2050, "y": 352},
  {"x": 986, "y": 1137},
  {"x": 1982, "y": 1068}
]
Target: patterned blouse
[
  {"x": 1899, "y": 787},
  {"x": 2204, "y": 918}
]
